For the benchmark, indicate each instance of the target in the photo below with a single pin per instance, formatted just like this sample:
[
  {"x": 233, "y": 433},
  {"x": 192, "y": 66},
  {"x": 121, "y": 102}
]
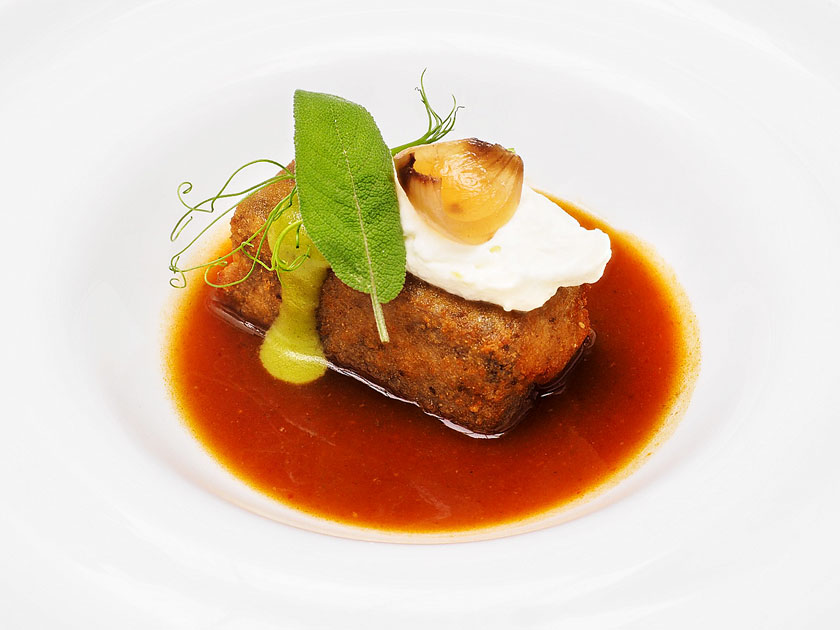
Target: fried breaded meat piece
[{"x": 472, "y": 363}]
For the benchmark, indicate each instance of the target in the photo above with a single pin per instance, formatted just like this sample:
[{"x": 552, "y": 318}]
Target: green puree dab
[{"x": 292, "y": 348}]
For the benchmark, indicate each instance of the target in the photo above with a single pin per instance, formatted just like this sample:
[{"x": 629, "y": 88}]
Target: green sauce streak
[{"x": 292, "y": 348}]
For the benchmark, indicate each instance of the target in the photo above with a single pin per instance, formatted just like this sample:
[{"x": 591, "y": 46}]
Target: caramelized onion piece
[{"x": 467, "y": 189}]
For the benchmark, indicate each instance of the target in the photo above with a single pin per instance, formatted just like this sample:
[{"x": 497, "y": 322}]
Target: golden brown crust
[
  {"x": 257, "y": 298},
  {"x": 251, "y": 213},
  {"x": 472, "y": 363}
]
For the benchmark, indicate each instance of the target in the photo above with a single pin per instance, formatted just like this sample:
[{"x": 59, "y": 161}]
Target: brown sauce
[{"x": 340, "y": 450}]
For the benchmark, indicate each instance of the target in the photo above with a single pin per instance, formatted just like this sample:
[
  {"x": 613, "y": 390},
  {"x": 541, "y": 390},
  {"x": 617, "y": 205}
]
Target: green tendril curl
[
  {"x": 246, "y": 247},
  {"x": 438, "y": 127}
]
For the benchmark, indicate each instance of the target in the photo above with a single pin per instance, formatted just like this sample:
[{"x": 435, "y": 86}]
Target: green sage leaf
[{"x": 348, "y": 199}]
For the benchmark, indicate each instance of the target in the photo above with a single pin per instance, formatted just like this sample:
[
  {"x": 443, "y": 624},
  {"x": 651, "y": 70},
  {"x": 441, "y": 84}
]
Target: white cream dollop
[{"x": 540, "y": 249}]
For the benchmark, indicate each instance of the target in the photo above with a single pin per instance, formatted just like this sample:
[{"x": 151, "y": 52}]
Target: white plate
[{"x": 709, "y": 130}]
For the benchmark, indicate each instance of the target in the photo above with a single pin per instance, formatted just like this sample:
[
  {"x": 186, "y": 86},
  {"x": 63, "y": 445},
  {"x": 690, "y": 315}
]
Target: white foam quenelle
[{"x": 540, "y": 249}]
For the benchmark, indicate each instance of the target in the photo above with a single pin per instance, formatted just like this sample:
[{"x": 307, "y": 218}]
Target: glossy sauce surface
[{"x": 337, "y": 449}]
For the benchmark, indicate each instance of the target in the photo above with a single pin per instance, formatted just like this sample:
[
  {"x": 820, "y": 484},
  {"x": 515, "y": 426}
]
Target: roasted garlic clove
[{"x": 467, "y": 189}]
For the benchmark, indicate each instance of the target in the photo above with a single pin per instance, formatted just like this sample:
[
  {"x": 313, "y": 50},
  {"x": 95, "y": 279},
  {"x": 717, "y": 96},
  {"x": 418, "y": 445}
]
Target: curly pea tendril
[
  {"x": 438, "y": 127},
  {"x": 251, "y": 246}
]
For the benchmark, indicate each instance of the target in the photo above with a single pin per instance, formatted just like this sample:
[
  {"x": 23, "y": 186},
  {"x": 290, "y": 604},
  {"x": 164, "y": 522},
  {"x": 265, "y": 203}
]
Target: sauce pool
[{"x": 337, "y": 449}]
